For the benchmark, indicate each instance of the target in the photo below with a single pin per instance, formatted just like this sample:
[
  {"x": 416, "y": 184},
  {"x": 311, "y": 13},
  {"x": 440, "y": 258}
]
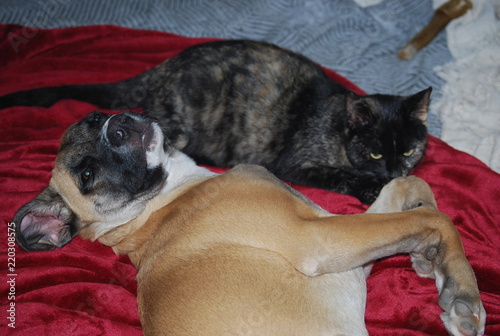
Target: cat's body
[{"x": 231, "y": 102}]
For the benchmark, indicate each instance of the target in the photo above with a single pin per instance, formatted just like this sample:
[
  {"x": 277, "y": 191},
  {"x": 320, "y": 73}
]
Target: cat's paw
[{"x": 369, "y": 193}]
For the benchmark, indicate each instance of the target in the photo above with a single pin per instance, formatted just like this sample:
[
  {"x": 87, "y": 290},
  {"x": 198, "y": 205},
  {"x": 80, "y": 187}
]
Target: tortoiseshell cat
[{"x": 231, "y": 102}]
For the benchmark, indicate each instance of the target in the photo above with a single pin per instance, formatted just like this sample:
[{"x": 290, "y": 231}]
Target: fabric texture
[{"x": 84, "y": 289}]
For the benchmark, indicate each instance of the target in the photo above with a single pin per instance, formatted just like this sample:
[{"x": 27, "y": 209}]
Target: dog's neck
[{"x": 183, "y": 173}]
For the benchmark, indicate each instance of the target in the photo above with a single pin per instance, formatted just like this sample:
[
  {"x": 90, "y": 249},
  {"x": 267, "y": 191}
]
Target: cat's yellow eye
[
  {"x": 408, "y": 153},
  {"x": 376, "y": 156}
]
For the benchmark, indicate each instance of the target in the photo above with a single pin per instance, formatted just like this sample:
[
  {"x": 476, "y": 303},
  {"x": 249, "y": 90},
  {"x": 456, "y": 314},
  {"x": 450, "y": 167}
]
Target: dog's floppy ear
[{"x": 45, "y": 223}]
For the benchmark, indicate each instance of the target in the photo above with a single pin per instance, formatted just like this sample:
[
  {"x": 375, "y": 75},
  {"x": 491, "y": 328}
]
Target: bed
[{"x": 84, "y": 289}]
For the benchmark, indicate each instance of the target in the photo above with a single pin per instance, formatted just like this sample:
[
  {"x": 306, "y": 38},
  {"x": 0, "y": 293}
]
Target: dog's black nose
[{"x": 123, "y": 129}]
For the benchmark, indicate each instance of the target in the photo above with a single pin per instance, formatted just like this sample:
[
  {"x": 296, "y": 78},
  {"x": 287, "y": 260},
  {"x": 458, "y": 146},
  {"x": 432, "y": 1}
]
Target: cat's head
[{"x": 387, "y": 135}]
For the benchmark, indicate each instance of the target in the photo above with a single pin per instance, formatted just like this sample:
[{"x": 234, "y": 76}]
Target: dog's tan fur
[{"x": 241, "y": 253}]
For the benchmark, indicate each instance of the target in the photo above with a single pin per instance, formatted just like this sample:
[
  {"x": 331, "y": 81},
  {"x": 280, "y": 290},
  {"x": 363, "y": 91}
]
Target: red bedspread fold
[{"x": 84, "y": 289}]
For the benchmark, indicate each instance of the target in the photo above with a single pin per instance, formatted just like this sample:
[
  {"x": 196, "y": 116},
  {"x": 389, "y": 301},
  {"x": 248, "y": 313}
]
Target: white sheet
[{"x": 469, "y": 107}]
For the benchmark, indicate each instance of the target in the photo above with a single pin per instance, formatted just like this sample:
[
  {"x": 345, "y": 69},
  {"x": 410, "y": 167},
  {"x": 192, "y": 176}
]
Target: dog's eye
[
  {"x": 85, "y": 172},
  {"x": 86, "y": 180},
  {"x": 95, "y": 118},
  {"x": 86, "y": 175}
]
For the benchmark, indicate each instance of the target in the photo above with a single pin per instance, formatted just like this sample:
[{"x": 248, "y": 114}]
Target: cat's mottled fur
[{"x": 231, "y": 102}]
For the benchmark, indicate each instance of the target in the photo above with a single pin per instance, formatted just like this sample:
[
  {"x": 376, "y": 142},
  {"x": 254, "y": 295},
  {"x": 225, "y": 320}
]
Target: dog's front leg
[
  {"x": 339, "y": 243},
  {"x": 401, "y": 194}
]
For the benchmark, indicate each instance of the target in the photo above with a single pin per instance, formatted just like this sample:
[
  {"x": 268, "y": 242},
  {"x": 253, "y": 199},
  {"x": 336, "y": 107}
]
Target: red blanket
[{"x": 84, "y": 289}]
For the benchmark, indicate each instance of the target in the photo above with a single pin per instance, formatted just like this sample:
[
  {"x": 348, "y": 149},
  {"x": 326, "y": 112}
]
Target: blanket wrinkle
[{"x": 85, "y": 289}]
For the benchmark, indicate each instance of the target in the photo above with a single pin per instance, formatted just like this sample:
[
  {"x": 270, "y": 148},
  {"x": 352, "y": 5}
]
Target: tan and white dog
[{"x": 241, "y": 252}]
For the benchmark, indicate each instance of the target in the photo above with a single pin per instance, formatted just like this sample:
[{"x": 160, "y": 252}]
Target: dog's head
[{"x": 107, "y": 168}]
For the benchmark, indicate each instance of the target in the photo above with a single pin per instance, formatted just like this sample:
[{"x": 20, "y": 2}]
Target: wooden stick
[{"x": 442, "y": 16}]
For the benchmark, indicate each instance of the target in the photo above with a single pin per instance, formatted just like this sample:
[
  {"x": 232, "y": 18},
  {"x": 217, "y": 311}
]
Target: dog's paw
[
  {"x": 404, "y": 193},
  {"x": 422, "y": 263},
  {"x": 464, "y": 314},
  {"x": 440, "y": 256},
  {"x": 418, "y": 194},
  {"x": 466, "y": 317}
]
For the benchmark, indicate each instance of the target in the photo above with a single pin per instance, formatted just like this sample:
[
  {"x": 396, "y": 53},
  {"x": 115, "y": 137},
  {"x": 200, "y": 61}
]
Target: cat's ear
[
  {"x": 358, "y": 112},
  {"x": 45, "y": 223},
  {"x": 417, "y": 105}
]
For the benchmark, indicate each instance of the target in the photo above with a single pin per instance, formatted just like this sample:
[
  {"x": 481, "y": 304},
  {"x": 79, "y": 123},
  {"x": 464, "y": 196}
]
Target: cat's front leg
[
  {"x": 367, "y": 188},
  {"x": 342, "y": 180}
]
